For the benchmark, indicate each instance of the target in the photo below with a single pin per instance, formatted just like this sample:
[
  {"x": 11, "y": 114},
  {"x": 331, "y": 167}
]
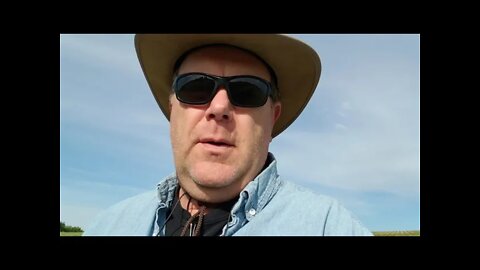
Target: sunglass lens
[
  {"x": 195, "y": 89},
  {"x": 247, "y": 92}
]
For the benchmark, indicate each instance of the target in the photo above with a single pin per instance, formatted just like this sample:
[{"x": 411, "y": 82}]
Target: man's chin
[
  {"x": 207, "y": 181},
  {"x": 216, "y": 175}
]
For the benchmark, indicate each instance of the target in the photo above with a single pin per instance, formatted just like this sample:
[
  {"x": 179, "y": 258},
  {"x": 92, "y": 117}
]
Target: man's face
[{"x": 218, "y": 147}]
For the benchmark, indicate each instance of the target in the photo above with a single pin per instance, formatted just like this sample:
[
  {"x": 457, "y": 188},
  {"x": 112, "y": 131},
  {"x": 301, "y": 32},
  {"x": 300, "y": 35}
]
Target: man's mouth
[
  {"x": 219, "y": 143},
  {"x": 216, "y": 142}
]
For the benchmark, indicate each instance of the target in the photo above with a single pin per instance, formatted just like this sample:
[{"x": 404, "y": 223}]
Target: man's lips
[{"x": 216, "y": 142}]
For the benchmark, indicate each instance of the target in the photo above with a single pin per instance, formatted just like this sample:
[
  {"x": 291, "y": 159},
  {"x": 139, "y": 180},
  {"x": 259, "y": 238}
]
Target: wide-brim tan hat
[{"x": 296, "y": 65}]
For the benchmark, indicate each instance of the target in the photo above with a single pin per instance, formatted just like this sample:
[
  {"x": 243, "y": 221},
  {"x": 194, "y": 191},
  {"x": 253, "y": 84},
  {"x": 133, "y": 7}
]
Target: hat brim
[{"x": 296, "y": 65}]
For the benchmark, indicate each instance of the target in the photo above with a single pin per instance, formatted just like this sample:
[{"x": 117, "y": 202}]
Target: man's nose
[{"x": 220, "y": 107}]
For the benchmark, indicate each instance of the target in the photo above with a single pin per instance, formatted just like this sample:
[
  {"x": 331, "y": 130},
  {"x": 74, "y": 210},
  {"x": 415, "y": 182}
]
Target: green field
[
  {"x": 70, "y": 233},
  {"x": 397, "y": 233},
  {"x": 392, "y": 233}
]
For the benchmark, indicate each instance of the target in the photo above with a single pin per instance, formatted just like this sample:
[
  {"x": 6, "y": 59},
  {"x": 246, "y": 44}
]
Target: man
[{"x": 227, "y": 97}]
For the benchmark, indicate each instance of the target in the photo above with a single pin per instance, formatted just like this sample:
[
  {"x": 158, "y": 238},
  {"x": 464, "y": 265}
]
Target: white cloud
[
  {"x": 378, "y": 104},
  {"x": 102, "y": 107},
  {"x": 340, "y": 126},
  {"x": 102, "y": 50},
  {"x": 353, "y": 161},
  {"x": 151, "y": 127},
  {"x": 358, "y": 207},
  {"x": 346, "y": 105}
]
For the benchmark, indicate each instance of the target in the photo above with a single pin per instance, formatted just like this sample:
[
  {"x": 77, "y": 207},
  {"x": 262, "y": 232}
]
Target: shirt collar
[
  {"x": 166, "y": 189},
  {"x": 260, "y": 191}
]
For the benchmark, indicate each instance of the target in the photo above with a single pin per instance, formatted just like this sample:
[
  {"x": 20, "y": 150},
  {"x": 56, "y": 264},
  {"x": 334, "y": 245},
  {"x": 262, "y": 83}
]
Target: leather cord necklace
[{"x": 200, "y": 214}]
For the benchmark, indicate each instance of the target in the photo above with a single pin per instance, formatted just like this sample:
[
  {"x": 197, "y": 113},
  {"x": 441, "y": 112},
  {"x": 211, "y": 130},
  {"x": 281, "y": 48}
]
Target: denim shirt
[{"x": 267, "y": 206}]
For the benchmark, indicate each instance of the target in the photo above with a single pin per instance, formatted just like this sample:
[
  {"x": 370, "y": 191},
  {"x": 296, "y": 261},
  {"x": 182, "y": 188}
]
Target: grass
[
  {"x": 71, "y": 233},
  {"x": 386, "y": 233},
  {"x": 397, "y": 233}
]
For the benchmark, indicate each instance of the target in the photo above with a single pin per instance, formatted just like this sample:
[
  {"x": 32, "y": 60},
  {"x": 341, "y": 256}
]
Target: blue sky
[{"x": 358, "y": 140}]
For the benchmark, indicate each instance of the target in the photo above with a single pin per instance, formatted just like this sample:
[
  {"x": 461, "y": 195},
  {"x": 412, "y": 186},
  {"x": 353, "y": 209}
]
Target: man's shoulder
[
  {"x": 301, "y": 199},
  {"x": 317, "y": 213},
  {"x": 131, "y": 216},
  {"x": 297, "y": 193}
]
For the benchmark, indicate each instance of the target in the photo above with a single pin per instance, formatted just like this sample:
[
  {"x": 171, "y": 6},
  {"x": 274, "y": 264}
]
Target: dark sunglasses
[{"x": 243, "y": 91}]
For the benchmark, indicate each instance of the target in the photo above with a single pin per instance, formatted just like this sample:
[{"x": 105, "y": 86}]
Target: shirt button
[{"x": 252, "y": 212}]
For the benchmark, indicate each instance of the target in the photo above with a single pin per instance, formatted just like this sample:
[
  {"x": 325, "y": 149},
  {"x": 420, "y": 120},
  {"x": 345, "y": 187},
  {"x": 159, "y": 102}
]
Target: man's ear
[{"x": 277, "y": 110}]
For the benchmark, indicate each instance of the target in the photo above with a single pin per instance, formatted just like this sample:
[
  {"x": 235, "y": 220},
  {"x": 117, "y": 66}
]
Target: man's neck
[
  {"x": 193, "y": 206},
  {"x": 188, "y": 203}
]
